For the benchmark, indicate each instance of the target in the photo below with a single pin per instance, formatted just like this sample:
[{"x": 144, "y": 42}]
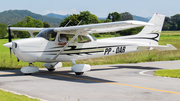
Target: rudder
[{"x": 155, "y": 30}]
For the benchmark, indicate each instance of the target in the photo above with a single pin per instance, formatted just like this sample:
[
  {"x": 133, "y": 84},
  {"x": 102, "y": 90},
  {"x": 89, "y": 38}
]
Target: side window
[
  {"x": 68, "y": 37},
  {"x": 83, "y": 39}
]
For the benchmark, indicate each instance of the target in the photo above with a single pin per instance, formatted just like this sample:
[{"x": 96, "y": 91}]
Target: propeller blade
[{"x": 9, "y": 32}]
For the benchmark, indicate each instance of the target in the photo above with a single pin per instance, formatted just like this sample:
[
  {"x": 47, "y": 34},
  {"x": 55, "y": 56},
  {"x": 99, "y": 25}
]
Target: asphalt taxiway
[{"x": 121, "y": 82}]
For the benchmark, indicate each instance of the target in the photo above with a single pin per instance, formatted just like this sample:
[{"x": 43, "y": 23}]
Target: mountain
[
  {"x": 57, "y": 15},
  {"x": 14, "y": 16},
  {"x": 140, "y": 18},
  {"x": 64, "y": 16}
]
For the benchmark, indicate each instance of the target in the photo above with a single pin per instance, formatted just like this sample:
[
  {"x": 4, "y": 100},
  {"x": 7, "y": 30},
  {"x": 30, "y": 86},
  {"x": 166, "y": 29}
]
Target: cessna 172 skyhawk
[{"x": 45, "y": 48}]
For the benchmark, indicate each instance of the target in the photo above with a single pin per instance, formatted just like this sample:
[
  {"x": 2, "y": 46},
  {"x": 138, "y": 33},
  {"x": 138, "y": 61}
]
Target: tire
[
  {"x": 51, "y": 70},
  {"x": 79, "y": 73},
  {"x": 27, "y": 73}
]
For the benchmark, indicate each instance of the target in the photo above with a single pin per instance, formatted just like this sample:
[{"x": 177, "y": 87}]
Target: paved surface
[{"x": 103, "y": 83}]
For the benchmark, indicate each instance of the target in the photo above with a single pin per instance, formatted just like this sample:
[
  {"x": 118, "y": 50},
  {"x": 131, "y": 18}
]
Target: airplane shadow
[{"x": 68, "y": 75}]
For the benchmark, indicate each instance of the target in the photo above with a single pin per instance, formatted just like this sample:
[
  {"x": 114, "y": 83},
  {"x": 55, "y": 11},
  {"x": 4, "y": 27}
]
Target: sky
[{"x": 101, "y": 8}]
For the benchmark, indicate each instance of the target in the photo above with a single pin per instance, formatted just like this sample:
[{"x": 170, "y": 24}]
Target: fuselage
[{"x": 42, "y": 50}]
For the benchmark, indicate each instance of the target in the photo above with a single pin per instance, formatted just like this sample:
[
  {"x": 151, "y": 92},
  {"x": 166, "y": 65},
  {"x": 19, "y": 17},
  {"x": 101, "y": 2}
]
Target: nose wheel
[{"x": 28, "y": 70}]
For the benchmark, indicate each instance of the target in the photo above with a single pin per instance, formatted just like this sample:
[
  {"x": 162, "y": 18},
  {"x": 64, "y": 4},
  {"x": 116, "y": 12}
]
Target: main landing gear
[{"x": 79, "y": 73}]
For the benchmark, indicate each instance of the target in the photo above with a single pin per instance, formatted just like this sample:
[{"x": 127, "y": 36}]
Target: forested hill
[
  {"x": 138, "y": 18},
  {"x": 14, "y": 16},
  {"x": 63, "y": 16},
  {"x": 54, "y": 20}
]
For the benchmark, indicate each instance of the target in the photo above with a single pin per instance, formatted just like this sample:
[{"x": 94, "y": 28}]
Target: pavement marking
[{"x": 114, "y": 83}]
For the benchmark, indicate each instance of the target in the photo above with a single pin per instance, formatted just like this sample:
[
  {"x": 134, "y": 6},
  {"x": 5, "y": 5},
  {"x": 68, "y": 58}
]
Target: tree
[
  {"x": 167, "y": 24},
  {"x": 104, "y": 20},
  {"x": 126, "y": 16},
  {"x": 46, "y": 25},
  {"x": 73, "y": 18},
  {"x": 175, "y": 20},
  {"x": 114, "y": 16},
  {"x": 85, "y": 16},
  {"x": 3, "y": 30},
  {"x": 27, "y": 22}
]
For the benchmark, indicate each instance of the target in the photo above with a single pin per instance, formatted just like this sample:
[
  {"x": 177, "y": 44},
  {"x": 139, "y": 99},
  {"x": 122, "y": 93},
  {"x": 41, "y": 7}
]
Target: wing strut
[{"x": 76, "y": 35}]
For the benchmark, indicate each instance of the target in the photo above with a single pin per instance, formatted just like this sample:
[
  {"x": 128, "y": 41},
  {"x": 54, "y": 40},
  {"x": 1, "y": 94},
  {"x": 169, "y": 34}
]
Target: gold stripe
[{"x": 91, "y": 50}]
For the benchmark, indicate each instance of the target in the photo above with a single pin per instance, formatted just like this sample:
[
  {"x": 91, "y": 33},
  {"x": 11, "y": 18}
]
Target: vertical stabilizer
[
  {"x": 158, "y": 21},
  {"x": 155, "y": 30}
]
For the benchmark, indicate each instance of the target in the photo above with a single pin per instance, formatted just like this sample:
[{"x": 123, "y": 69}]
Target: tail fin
[{"x": 153, "y": 32}]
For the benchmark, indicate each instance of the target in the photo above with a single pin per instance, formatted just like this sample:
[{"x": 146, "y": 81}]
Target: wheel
[
  {"x": 51, "y": 70},
  {"x": 27, "y": 73},
  {"x": 79, "y": 73}
]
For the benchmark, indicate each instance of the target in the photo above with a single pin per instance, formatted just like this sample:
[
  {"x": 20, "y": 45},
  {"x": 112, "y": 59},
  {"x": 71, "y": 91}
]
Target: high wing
[
  {"x": 102, "y": 27},
  {"x": 29, "y": 29},
  {"x": 26, "y": 29},
  {"x": 90, "y": 28}
]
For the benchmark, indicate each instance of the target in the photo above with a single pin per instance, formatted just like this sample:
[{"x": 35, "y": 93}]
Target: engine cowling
[{"x": 51, "y": 66}]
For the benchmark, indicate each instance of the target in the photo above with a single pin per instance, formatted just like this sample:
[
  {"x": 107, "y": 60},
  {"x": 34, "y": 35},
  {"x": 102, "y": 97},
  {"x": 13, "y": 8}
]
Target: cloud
[{"x": 62, "y": 12}]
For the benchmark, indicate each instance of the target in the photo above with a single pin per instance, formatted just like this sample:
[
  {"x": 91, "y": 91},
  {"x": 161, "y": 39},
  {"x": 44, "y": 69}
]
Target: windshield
[{"x": 48, "y": 34}]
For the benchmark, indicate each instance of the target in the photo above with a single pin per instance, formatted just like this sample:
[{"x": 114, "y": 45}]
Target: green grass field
[
  {"x": 167, "y": 37},
  {"x": 7, "y": 96},
  {"x": 175, "y": 73}
]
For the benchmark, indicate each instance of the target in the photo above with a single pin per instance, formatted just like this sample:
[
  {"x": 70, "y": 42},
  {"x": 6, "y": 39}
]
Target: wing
[
  {"x": 26, "y": 29},
  {"x": 102, "y": 27},
  {"x": 30, "y": 30}
]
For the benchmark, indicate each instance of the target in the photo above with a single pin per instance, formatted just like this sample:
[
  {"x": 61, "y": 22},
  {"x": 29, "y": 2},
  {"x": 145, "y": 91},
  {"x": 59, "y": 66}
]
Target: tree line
[
  {"x": 85, "y": 17},
  {"x": 172, "y": 23}
]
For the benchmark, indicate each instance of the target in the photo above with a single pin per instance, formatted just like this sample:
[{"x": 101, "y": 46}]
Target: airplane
[{"x": 45, "y": 47}]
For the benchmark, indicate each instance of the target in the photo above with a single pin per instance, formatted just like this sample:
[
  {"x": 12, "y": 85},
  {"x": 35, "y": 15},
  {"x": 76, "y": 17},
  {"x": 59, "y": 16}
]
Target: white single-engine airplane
[{"x": 45, "y": 48}]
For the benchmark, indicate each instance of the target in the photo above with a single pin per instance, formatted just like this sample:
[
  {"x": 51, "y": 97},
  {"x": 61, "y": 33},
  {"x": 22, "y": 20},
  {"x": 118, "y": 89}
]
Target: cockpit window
[{"x": 48, "y": 34}]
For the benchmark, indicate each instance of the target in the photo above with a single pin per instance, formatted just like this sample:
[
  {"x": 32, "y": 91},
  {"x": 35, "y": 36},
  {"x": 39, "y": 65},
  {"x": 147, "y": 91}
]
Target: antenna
[
  {"x": 67, "y": 23},
  {"x": 79, "y": 23}
]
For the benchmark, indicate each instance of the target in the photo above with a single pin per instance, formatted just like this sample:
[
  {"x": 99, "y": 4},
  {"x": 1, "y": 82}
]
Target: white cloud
[{"x": 62, "y": 12}]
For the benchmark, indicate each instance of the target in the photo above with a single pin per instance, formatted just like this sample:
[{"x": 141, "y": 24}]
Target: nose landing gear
[{"x": 28, "y": 70}]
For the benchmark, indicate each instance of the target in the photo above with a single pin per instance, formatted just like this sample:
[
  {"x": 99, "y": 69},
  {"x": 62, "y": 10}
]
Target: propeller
[
  {"x": 10, "y": 40},
  {"x": 9, "y": 37}
]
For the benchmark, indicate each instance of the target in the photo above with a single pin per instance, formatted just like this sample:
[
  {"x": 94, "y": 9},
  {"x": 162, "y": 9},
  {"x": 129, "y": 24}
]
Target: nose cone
[{"x": 8, "y": 45}]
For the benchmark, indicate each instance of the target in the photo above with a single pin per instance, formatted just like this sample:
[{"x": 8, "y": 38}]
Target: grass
[
  {"x": 175, "y": 73},
  {"x": 167, "y": 37},
  {"x": 7, "y": 96}
]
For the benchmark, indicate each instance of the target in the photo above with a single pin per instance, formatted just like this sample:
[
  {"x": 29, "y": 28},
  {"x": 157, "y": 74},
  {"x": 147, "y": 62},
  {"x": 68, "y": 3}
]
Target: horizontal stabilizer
[{"x": 160, "y": 47}]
